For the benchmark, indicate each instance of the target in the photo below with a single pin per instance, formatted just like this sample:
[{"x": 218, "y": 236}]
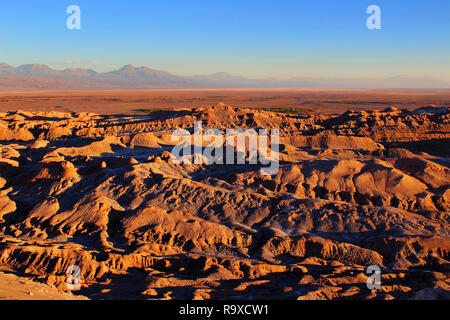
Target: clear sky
[{"x": 283, "y": 38}]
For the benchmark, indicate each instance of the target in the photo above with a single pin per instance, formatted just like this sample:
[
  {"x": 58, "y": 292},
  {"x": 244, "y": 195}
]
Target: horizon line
[{"x": 243, "y": 76}]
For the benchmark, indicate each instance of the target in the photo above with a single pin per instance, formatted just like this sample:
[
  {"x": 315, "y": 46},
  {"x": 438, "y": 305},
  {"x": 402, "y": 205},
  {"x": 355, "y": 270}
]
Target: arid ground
[
  {"x": 87, "y": 179},
  {"x": 140, "y": 101}
]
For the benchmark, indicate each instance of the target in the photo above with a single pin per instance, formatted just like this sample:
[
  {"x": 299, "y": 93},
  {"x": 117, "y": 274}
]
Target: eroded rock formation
[{"x": 353, "y": 190}]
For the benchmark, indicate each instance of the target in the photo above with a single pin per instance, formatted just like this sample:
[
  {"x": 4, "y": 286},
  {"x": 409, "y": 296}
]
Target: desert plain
[{"x": 87, "y": 179}]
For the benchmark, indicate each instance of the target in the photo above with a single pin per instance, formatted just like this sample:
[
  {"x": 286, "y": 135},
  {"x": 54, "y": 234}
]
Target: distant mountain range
[{"x": 40, "y": 76}]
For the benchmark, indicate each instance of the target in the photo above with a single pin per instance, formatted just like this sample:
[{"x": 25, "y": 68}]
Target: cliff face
[{"x": 353, "y": 190}]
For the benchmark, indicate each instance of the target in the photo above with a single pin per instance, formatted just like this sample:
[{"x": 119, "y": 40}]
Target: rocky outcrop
[{"x": 104, "y": 193}]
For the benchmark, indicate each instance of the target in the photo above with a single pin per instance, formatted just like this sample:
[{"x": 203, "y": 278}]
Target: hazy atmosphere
[
  {"x": 250, "y": 154},
  {"x": 253, "y": 39}
]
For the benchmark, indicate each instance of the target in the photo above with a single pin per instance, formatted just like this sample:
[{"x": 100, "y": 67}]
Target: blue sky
[{"x": 321, "y": 38}]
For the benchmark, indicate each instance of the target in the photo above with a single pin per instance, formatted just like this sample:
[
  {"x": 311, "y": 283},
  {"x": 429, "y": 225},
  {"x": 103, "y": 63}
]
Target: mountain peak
[
  {"x": 221, "y": 74},
  {"x": 131, "y": 71},
  {"x": 128, "y": 67},
  {"x": 34, "y": 68},
  {"x": 79, "y": 71}
]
